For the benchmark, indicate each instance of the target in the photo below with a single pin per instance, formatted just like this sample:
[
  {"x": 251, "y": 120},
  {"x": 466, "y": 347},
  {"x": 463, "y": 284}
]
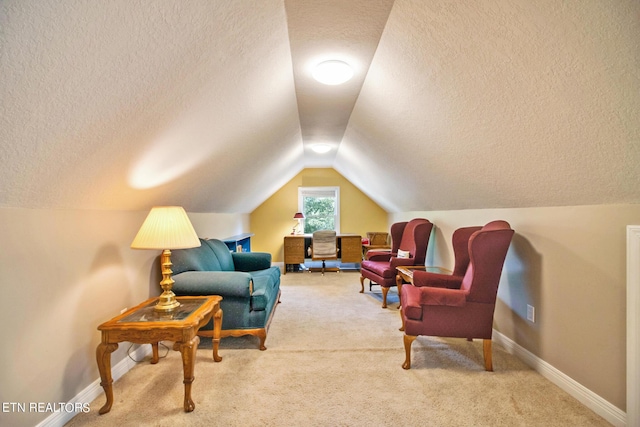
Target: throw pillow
[{"x": 403, "y": 254}]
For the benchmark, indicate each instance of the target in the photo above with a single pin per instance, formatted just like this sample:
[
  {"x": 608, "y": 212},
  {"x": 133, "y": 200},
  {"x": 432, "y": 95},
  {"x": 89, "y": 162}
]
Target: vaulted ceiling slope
[{"x": 208, "y": 104}]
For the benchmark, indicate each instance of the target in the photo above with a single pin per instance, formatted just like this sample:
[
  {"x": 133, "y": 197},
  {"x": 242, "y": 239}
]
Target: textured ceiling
[{"x": 208, "y": 104}]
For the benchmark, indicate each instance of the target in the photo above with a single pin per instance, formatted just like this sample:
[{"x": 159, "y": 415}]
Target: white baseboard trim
[
  {"x": 90, "y": 393},
  {"x": 597, "y": 404}
]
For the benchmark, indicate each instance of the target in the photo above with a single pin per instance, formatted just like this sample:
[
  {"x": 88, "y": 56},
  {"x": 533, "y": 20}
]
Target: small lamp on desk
[
  {"x": 166, "y": 228},
  {"x": 298, "y": 216}
]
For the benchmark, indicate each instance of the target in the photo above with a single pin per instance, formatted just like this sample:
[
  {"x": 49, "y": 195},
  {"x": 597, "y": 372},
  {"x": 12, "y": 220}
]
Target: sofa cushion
[
  {"x": 223, "y": 254},
  {"x": 201, "y": 258},
  {"x": 223, "y": 283}
]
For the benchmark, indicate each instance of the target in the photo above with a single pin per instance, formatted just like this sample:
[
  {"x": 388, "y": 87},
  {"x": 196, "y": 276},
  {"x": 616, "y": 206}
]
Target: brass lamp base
[{"x": 167, "y": 300}]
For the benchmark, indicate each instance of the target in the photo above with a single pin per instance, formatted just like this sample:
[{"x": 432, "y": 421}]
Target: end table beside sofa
[{"x": 144, "y": 325}]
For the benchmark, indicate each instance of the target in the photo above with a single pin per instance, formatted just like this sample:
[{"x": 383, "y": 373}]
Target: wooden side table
[{"x": 143, "y": 325}]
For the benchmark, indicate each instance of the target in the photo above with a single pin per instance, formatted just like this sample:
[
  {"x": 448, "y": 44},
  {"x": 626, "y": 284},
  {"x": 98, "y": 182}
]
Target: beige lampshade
[{"x": 166, "y": 227}]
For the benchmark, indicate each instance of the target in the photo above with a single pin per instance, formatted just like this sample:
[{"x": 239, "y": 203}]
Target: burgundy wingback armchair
[
  {"x": 460, "y": 244},
  {"x": 432, "y": 308},
  {"x": 380, "y": 267}
]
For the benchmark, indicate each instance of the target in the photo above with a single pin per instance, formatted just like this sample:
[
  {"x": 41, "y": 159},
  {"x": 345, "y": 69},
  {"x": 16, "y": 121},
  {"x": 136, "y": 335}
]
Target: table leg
[
  {"x": 401, "y": 279},
  {"x": 188, "y": 351},
  {"x": 156, "y": 357},
  {"x": 398, "y": 282},
  {"x": 103, "y": 357},
  {"x": 217, "y": 331}
]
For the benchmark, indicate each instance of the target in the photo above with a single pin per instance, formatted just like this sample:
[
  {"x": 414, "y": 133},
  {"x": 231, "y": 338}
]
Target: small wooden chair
[{"x": 378, "y": 240}]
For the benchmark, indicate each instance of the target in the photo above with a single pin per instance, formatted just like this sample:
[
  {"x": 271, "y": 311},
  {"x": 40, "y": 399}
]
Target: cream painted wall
[
  {"x": 273, "y": 219},
  {"x": 570, "y": 264},
  {"x": 63, "y": 273}
]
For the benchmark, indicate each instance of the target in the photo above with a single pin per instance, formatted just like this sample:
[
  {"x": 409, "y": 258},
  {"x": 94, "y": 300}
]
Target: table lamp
[
  {"x": 298, "y": 216},
  {"x": 166, "y": 228}
]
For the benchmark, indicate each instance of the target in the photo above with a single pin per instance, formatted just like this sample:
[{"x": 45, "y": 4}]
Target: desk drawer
[{"x": 294, "y": 249}]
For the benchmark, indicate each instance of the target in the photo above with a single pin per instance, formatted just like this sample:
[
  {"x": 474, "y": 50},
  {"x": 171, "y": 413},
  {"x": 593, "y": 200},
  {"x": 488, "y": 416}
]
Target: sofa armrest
[
  {"x": 251, "y": 261},
  {"x": 223, "y": 283}
]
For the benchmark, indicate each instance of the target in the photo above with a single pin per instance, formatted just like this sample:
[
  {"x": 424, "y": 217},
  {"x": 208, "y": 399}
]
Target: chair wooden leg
[
  {"x": 385, "y": 291},
  {"x": 488, "y": 364},
  {"x": 361, "y": 284},
  {"x": 408, "y": 340}
]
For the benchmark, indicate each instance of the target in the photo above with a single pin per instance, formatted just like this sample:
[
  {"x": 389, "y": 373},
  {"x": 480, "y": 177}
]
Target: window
[{"x": 321, "y": 208}]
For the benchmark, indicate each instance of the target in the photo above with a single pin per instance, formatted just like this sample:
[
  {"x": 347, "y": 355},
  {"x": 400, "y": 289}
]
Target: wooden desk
[
  {"x": 295, "y": 248},
  {"x": 405, "y": 275},
  {"x": 143, "y": 325}
]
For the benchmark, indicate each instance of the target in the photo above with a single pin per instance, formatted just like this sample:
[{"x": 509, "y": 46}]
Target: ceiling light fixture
[
  {"x": 321, "y": 148},
  {"x": 332, "y": 72}
]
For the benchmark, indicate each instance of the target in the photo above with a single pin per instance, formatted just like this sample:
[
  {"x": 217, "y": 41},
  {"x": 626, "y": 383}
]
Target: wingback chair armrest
[
  {"x": 411, "y": 307},
  {"x": 251, "y": 261},
  {"x": 223, "y": 283},
  {"x": 441, "y": 296},
  {"x": 397, "y": 262},
  {"x": 436, "y": 280},
  {"x": 379, "y": 255},
  {"x": 414, "y": 300}
]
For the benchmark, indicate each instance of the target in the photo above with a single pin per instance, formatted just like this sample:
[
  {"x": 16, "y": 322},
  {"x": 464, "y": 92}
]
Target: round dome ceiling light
[
  {"x": 321, "y": 148},
  {"x": 332, "y": 72}
]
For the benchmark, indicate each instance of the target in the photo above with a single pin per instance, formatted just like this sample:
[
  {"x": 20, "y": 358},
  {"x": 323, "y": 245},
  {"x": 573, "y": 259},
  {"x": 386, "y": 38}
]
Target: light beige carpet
[{"x": 334, "y": 358}]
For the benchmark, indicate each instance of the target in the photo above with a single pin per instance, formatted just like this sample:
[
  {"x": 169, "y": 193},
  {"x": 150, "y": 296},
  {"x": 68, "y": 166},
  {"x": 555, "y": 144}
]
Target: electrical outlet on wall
[{"x": 531, "y": 313}]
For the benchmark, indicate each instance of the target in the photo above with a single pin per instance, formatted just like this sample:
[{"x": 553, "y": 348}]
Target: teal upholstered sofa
[{"x": 247, "y": 282}]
